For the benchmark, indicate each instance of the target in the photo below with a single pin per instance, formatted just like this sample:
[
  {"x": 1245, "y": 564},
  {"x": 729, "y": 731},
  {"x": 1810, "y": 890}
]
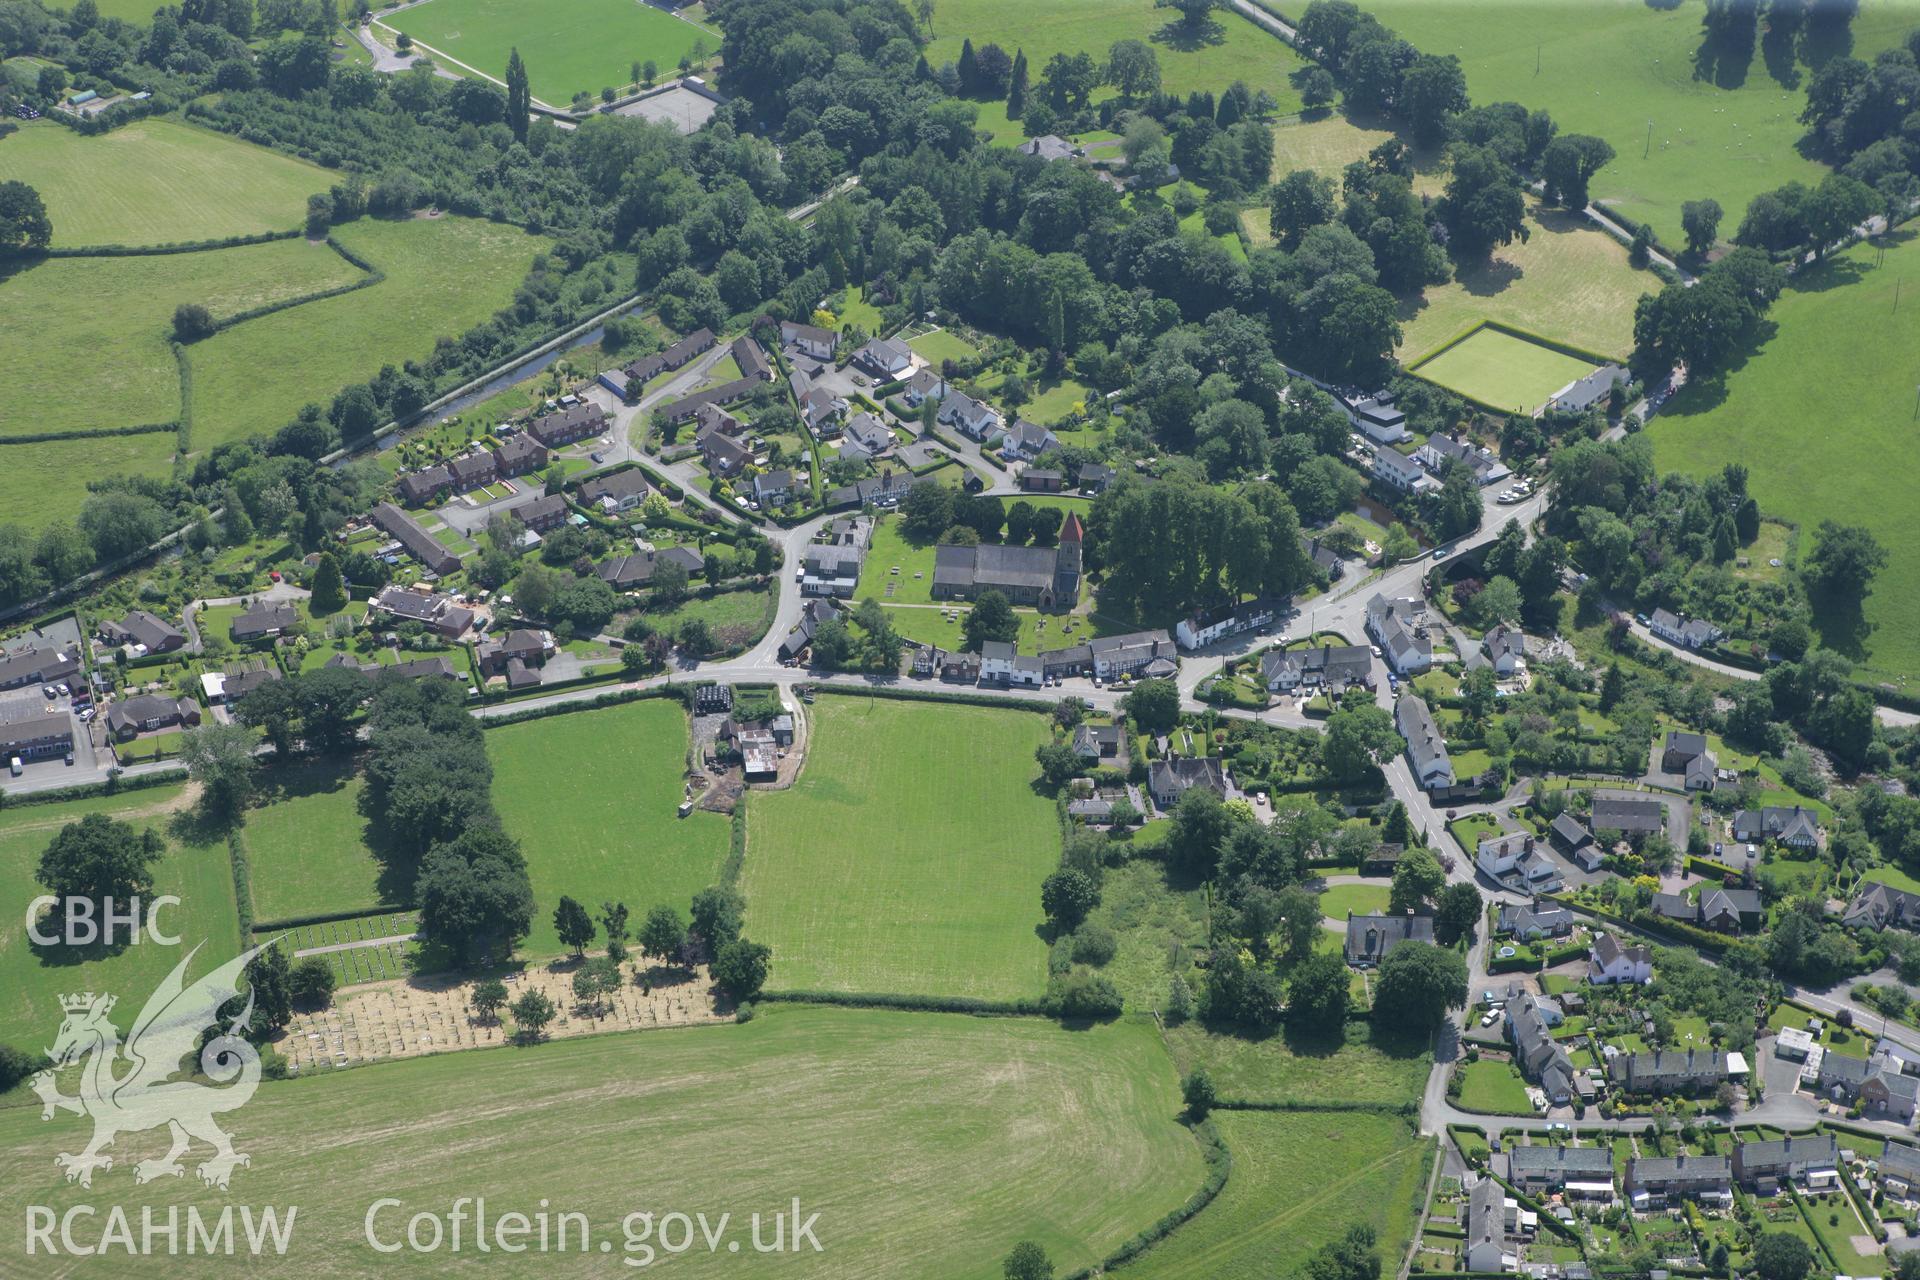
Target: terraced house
[
  {"x": 1580, "y": 1173},
  {"x": 1654, "y": 1181},
  {"x": 1664, "y": 1071}
]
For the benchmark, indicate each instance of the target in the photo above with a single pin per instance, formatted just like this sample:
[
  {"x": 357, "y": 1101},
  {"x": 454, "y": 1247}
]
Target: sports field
[
  {"x": 1239, "y": 51},
  {"x": 928, "y": 1145},
  {"x": 569, "y": 46},
  {"x": 591, "y": 798},
  {"x": 909, "y": 856},
  {"x": 30, "y": 987},
  {"x": 1299, "y": 1180},
  {"x": 1502, "y": 370},
  {"x": 91, "y": 335},
  {"x": 443, "y": 275},
  {"x": 1609, "y": 67},
  {"x": 1569, "y": 281},
  {"x": 158, "y": 182},
  {"x": 1838, "y": 369},
  {"x": 307, "y": 851}
]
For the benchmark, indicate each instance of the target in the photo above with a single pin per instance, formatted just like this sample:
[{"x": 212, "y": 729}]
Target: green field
[
  {"x": 158, "y": 182},
  {"x": 591, "y": 798},
  {"x": 1502, "y": 370},
  {"x": 1608, "y": 67},
  {"x": 1298, "y": 1182},
  {"x": 1303, "y": 1069},
  {"x": 41, "y": 483},
  {"x": 1569, "y": 281},
  {"x": 307, "y": 851},
  {"x": 909, "y": 856},
  {"x": 92, "y": 334},
  {"x": 570, "y": 46},
  {"x": 201, "y": 874},
  {"x": 443, "y": 276},
  {"x": 1839, "y": 357},
  {"x": 1360, "y": 899},
  {"x": 1043, "y": 28},
  {"x": 928, "y": 1144}
]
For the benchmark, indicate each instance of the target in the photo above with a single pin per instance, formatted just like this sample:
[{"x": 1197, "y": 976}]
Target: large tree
[
  {"x": 1299, "y": 202},
  {"x": 519, "y": 96},
  {"x": 220, "y": 758},
  {"x": 1844, "y": 561},
  {"x": 473, "y": 893},
  {"x": 1153, "y": 706},
  {"x": 1359, "y": 736},
  {"x": 1483, "y": 207},
  {"x": 100, "y": 858},
  {"x": 1417, "y": 881},
  {"x": 1418, "y": 983},
  {"x": 572, "y": 925},
  {"x": 1780, "y": 1256},
  {"x": 1568, "y": 166},
  {"x": 1318, "y": 993},
  {"x": 24, "y": 225}
]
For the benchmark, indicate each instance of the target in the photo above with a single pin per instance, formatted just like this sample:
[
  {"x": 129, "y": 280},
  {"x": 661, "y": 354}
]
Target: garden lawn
[
  {"x": 47, "y": 481},
  {"x": 1504, "y": 371},
  {"x": 1298, "y": 1182},
  {"x": 570, "y": 46},
  {"x": 88, "y": 338},
  {"x": 942, "y": 345},
  {"x": 1237, "y": 49},
  {"x": 1838, "y": 355},
  {"x": 909, "y": 855},
  {"x": 443, "y": 276},
  {"x": 1495, "y": 1088},
  {"x": 200, "y": 873},
  {"x": 591, "y": 797},
  {"x": 1360, "y": 899},
  {"x": 1608, "y": 67},
  {"x": 928, "y": 1145},
  {"x": 1569, "y": 281},
  {"x": 737, "y": 618},
  {"x": 158, "y": 182},
  {"x": 1308, "y": 1069},
  {"x": 307, "y": 851}
]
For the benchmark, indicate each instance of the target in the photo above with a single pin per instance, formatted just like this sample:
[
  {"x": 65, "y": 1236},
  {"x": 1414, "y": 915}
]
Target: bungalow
[
  {"x": 144, "y": 632},
  {"x": 1795, "y": 827},
  {"x": 625, "y": 573},
  {"x": 1730, "y": 910},
  {"x": 1335, "y": 666},
  {"x": 1048, "y": 147},
  {"x": 1324, "y": 558},
  {"x": 752, "y": 360},
  {"x": 1426, "y": 749},
  {"x": 616, "y": 492},
  {"x": 724, "y": 455},
  {"x": 1384, "y": 860},
  {"x": 923, "y": 386},
  {"x": 548, "y": 511},
  {"x": 1094, "y": 478},
  {"x": 1631, "y": 816},
  {"x": 1399, "y": 628},
  {"x": 419, "y": 544},
  {"x": 971, "y": 418},
  {"x": 726, "y": 393},
  {"x": 1489, "y": 1249},
  {"x": 711, "y": 417},
  {"x": 1035, "y": 480},
  {"x": 263, "y": 620},
  {"x": 436, "y": 612},
  {"x": 1391, "y": 467},
  {"x": 1529, "y": 922},
  {"x": 1028, "y": 441},
  {"x": 1582, "y": 1173},
  {"x": 1881, "y": 906},
  {"x": 1697, "y": 633},
  {"x": 1654, "y": 1181},
  {"x": 1900, "y": 1168},
  {"x": 1224, "y": 620},
  {"x": 1376, "y": 418},
  {"x": 568, "y": 425},
  {"x": 1094, "y": 742},
  {"x": 34, "y": 665},
  {"x": 1001, "y": 663},
  {"x": 1371, "y": 936},
  {"x": 1663, "y": 1071},
  {"x": 809, "y": 339},
  {"x": 772, "y": 488},
  {"x": 1585, "y": 392},
  {"x": 1168, "y": 780},
  {"x": 886, "y": 358},
  {"x": 1676, "y": 906},
  {"x": 518, "y": 455},
  {"x": 1811, "y": 1160},
  {"x": 1611, "y": 964},
  {"x": 630, "y": 381},
  {"x": 146, "y": 712}
]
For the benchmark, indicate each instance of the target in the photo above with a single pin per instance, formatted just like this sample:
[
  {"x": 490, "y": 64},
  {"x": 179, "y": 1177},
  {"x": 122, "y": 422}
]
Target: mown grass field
[
  {"x": 1608, "y": 68},
  {"x": 569, "y": 46},
  {"x": 31, "y": 982},
  {"x": 1360, "y": 899},
  {"x": 1237, "y": 49},
  {"x": 41, "y": 483},
  {"x": 1502, "y": 370},
  {"x": 158, "y": 181},
  {"x": 88, "y": 337},
  {"x": 591, "y": 798},
  {"x": 909, "y": 856},
  {"x": 443, "y": 275},
  {"x": 1837, "y": 364},
  {"x": 1569, "y": 281},
  {"x": 1304, "y": 1069},
  {"x": 1329, "y": 144},
  {"x": 927, "y": 1144},
  {"x": 307, "y": 850},
  {"x": 1299, "y": 1180}
]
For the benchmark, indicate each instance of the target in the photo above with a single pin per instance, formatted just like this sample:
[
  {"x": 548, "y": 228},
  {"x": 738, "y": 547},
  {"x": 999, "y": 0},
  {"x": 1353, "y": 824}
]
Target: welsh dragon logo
[{"x": 128, "y": 1088}]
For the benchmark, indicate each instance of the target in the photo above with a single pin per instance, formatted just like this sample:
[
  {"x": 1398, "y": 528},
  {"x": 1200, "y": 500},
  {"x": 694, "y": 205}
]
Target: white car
[
  {"x": 1507, "y": 497},
  {"x": 1492, "y": 1016}
]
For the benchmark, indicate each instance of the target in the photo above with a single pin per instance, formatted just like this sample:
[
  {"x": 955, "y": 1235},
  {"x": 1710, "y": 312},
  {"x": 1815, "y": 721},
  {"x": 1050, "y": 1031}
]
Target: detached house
[
  {"x": 1881, "y": 906},
  {"x": 1398, "y": 627},
  {"x": 923, "y": 386},
  {"x": 1489, "y": 1247},
  {"x": 1370, "y": 937},
  {"x": 1028, "y": 441},
  {"x": 1513, "y": 860},
  {"x": 1876, "y": 1084},
  {"x": 887, "y": 358},
  {"x": 436, "y": 612},
  {"x": 1541, "y": 1059},
  {"x": 1529, "y": 922},
  {"x": 145, "y": 713},
  {"x": 1168, "y": 780},
  {"x": 613, "y": 494},
  {"x": 263, "y": 620},
  {"x": 1611, "y": 964},
  {"x": 1795, "y": 827},
  {"x": 1504, "y": 649},
  {"x": 1686, "y": 754},
  {"x": 1332, "y": 666},
  {"x": 143, "y": 631},
  {"x": 1695, "y": 634},
  {"x": 809, "y": 339},
  {"x": 1391, "y": 467},
  {"x": 971, "y": 418},
  {"x": 1426, "y": 749},
  {"x": 1631, "y": 816}
]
